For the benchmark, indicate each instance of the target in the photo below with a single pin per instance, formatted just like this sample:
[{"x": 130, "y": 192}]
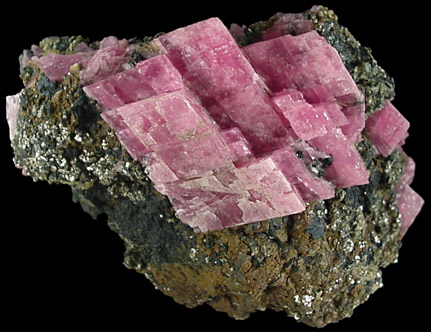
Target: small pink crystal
[
  {"x": 409, "y": 205},
  {"x": 97, "y": 65},
  {"x": 387, "y": 128},
  {"x": 125, "y": 135},
  {"x": 356, "y": 122},
  {"x": 308, "y": 121},
  {"x": 108, "y": 60},
  {"x": 303, "y": 62},
  {"x": 347, "y": 167},
  {"x": 284, "y": 24},
  {"x": 149, "y": 78},
  {"x": 308, "y": 185},
  {"x": 55, "y": 66},
  {"x": 408, "y": 173},
  {"x": 12, "y": 109},
  {"x": 408, "y": 201},
  {"x": 238, "y": 145}
]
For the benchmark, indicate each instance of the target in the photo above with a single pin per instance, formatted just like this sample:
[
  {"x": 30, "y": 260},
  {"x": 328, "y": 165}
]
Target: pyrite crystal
[{"x": 251, "y": 168}]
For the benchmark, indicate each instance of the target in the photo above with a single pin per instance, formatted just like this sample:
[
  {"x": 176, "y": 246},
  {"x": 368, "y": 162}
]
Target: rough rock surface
[{"x": 316, "y": 266}]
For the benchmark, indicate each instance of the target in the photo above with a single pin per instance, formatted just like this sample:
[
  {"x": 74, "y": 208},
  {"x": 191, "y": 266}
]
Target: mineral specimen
[{"x": 252, "y": 168}]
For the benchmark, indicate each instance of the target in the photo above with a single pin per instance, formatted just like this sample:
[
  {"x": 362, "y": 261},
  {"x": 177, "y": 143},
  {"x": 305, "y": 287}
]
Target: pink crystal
[
  {"x": 149, "y": 78},
  {"x": 284, "y": 24},
  {"x": 356, "y": 122},
  {"x": 82, "y": 47},
  {"x": 55, "y": 66},
  {"x": 125, "y": 135},
  {"x": 387, "y": 128},
  {"x": 178, "y": 131},
  {"x": 237, "y": 31},
  {"x": 12, "y": 108},
  {"x": 233, "y": 196},
  {"x": 308, "y": 185},
  {"x": 409, "y": 205},
  {"x": 36, "y": 50},
  {"x": 305, "y": 62},
  {"x": 214, "y": 67},
  {"x": 266, "y": 182},
  {"x": 318, "y": 123},
  {"x": 119, "y": 89},
  {"x": 108, "y": 60},
  {"x": 347, "y": 167},
  {"x": 238, "y": 145},
  {"x": 308, "y": 121},
  {"x": 111, "y": 58},
  {"x": 333, "y": 114},
  {"x": 408, "y": 174},
  {"x": 408, "y": 201},
  {"x": 302, "y": 116},
  {"x": 160, "y": 74}
]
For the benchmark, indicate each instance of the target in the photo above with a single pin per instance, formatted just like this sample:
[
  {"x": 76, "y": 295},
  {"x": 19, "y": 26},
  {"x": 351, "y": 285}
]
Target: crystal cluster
[
  {"x": 252, "y": 124},
  {"x": 233, "y": 136}
]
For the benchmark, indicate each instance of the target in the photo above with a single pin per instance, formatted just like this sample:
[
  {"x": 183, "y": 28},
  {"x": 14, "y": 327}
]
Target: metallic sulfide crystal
[{"x": 232, "y": 162}]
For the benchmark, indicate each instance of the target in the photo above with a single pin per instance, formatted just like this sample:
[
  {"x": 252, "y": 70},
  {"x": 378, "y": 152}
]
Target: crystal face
[{"x": 204, "y": 128}]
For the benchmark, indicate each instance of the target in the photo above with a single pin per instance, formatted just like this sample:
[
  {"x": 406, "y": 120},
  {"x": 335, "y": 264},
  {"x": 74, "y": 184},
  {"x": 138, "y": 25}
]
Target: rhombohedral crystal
[{"x": 251, "y": 168}]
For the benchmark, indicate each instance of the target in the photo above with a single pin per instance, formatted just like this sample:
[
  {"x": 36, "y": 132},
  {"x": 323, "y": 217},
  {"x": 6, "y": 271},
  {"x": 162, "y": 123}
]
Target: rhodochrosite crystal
[
  {"x": 176, "y": 114},
  {"x": 251, "y": 150}
]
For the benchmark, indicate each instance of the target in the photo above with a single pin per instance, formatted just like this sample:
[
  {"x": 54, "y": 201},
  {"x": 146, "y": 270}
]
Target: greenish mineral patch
[
  {"x": 61, "y": 45},
  {"x": 253, "y": 33},
  {"x": 144, "y": 49}
]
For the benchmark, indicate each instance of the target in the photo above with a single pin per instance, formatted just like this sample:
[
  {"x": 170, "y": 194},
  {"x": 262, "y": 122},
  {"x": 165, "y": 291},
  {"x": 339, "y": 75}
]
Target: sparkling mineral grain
[{"x": 232, "y": 162}]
